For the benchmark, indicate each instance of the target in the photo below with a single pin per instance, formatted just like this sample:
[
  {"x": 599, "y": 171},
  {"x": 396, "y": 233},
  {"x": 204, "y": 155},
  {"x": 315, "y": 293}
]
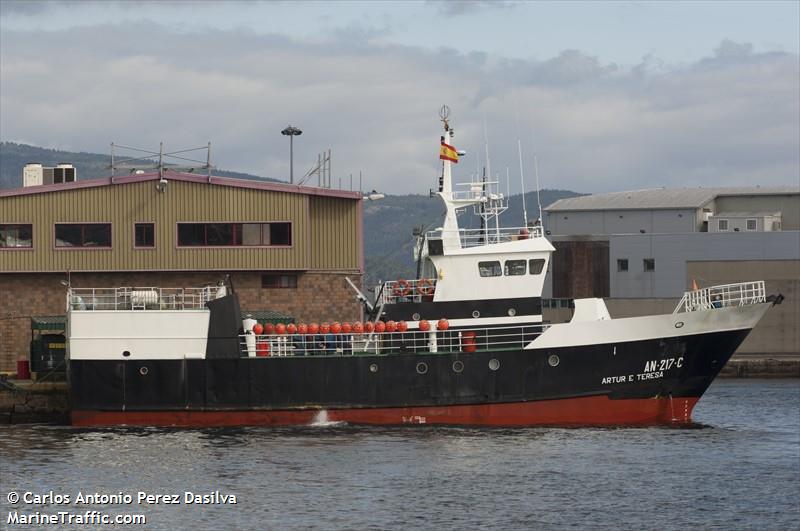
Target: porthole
[
  {"x": 512, "y": 312},
  {"x": 126, "y": 353},
  {"x": 422, "y": 367},
  {"x": 494, "y": 364},
  {"x": 476, "y": 314},
  {"x": 143, "y": 371},
  {"x": 679, "y": 324},
  {"x": 373, "y": 367},
  {"x": 415, "y": 317},
  {"x": 458, "y": 366},
  {"x": 553, "y": 360}
]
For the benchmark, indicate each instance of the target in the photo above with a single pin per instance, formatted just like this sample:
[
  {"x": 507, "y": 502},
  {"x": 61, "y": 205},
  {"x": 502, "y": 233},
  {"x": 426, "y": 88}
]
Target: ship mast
[{"x": 451, "y": 237}]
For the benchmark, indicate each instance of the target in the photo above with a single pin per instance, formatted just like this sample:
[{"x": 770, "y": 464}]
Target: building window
[
  {"x": 490, "y": 269},
  {"x": 144, "y": 235},
  {"x": 722, "y": 225},
  {"x": 622, "y": 264},
  {"x": 86, "y": 235},
  {"x": 536, "y": 265},
  {"x": 751, "y": 224},
  {"x": 649, "y": 264},
  {"x": 16, "y": 236},
  {"x": 515, "y": 267},
  {"x": 271, "y": 280},
  {"x": 234, "y": 234}
]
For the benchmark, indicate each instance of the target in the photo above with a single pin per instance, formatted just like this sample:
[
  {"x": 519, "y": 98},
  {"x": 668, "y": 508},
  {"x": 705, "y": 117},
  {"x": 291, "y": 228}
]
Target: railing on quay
[
  {"x": 722, "y": 296},
  {"x": 488, "y": 236},
  {"x": 411, "y": 341},
  {"x": 140, "y": 298}
]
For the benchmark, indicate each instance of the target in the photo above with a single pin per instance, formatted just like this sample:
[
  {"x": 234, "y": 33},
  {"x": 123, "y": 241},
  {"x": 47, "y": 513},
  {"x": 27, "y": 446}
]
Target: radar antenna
[{"x": 444, "y": 114}]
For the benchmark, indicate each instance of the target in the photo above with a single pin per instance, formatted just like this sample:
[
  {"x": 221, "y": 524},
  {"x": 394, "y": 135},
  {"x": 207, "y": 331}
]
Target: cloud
[
  {"x": 730, "y": 118},
  {"x": 462, "y": 7}
]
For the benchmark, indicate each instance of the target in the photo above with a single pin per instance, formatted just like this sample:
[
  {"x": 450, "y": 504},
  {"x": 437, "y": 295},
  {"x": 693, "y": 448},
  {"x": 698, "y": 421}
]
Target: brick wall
[{"x": 318, "y": 297}]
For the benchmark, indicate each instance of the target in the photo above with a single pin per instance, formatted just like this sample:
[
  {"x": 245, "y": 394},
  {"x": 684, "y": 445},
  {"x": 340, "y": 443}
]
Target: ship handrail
[
  {"x": 413, "y": 290},
  {"x": 387, "y": 343},
  {"x": 139, "y": 298},
  {"x": 488, "y": 236},
  {"x": 722, "y": 296}
]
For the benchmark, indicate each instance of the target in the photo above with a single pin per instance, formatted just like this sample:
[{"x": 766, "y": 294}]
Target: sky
[{"x": 608, "y": 95}]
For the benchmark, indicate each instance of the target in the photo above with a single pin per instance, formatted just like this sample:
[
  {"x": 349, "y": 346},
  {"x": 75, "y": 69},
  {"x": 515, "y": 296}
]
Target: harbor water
[{"x": 737, "y": 468}]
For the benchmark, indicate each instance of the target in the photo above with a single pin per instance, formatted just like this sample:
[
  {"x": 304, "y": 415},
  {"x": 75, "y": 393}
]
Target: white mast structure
[{"x": 486, "y": 194}]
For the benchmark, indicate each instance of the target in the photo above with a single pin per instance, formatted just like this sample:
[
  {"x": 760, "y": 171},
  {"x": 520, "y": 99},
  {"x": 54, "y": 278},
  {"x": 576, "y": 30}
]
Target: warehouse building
[
  {"x": 287, "y": 248},
  {"x": 642, "y": 249}
]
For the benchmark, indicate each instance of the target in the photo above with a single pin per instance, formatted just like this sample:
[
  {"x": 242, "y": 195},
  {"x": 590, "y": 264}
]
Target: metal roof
[
  {"x": 271, "y": 316},
  {"x": 49, "y": 322},
  {"x": 658, "y": 198},
  {"x": 754, "y": 214},
  {"x": 179, "y": 176}
]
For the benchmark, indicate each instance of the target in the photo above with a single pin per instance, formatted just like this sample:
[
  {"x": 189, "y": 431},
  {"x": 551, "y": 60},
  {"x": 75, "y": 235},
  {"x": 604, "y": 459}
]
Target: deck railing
[
  {"x": 478, "y": 237},
  {"x": 413, "y": 341},
  {"x": 723, "y": 296},
  {"x": 415, "y": 290},
  {"x": 139, "y": 298}
]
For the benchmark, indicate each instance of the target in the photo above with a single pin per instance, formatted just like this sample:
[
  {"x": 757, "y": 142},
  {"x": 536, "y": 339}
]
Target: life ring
[
  {"x": 425, "y": 287},
  {"x": 402, "y": 288}
]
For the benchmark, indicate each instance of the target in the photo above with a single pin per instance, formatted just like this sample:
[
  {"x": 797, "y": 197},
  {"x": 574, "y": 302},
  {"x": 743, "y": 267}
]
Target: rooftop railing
[
  {"x": 478, "y": 237},
  {"x": 139, "y": 298},
  {"x": 723, "y": 296}
]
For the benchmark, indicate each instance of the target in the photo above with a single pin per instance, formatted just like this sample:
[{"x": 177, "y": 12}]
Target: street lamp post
[{"x": 291, "y": 131}]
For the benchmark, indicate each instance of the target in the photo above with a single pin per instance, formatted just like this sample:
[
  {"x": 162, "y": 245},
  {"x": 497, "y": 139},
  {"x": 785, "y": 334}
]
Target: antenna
[
  {"x": 508, "y": 184},
  {"x": 488, "y": 167},
  {"x": 522, "y": 184},
  {"x": 159, "y": 160},
  {"x": 538, "y": 196}
]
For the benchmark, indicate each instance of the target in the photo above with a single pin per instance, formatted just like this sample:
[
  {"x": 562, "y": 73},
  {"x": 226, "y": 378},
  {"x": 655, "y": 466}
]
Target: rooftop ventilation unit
[{"x": 35, "y": 174}]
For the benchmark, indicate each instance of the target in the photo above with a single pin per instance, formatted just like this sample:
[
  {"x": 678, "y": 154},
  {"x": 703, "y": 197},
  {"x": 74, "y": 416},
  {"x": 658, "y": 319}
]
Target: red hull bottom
[{"x": 587, "y": 411}]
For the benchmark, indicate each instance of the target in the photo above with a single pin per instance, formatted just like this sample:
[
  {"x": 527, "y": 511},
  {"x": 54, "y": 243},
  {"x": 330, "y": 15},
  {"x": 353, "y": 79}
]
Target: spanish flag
[{"x": 448, "y": 152}]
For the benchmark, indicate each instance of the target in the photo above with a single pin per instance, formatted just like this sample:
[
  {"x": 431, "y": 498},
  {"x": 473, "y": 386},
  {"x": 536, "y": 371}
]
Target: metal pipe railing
[
  {"x": 415, "y": 341},
  {"x": 478, "y": 237},
  {"x": 139, "y": 298},
  {"x": 407, "y": 290},
  {"x": 723, "y": 296}
]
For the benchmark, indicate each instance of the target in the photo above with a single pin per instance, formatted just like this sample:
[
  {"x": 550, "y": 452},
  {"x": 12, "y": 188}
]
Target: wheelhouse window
[
  {"x": 490, "y": 269},
  {"x": 751, "y": 224},
  {"x": 622, "y": 264},
  {"x": 649, "y": 264},
  {"x": 515, "y": 267},
  {"x": 144, "y": 235},
  {"x": 722, "y": 225},
  {"x": 271, "y": 280},
  {"x": 234, "y": 234},
  {"x": 18, "y": 236},
  {"x": 83, "y": 235},
  {"x": 536, "y": 266}
]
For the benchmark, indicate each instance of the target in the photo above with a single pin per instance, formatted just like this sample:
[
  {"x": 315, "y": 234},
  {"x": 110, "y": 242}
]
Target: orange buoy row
[{"x": 343, "y": 328}]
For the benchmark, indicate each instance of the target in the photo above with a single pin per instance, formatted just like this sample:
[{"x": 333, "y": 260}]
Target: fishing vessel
[{"x": 462, "y": 344}]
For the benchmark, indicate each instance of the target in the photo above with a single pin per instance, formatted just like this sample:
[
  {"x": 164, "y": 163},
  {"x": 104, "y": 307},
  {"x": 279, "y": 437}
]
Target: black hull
[{"x": 673, "y": 367}]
